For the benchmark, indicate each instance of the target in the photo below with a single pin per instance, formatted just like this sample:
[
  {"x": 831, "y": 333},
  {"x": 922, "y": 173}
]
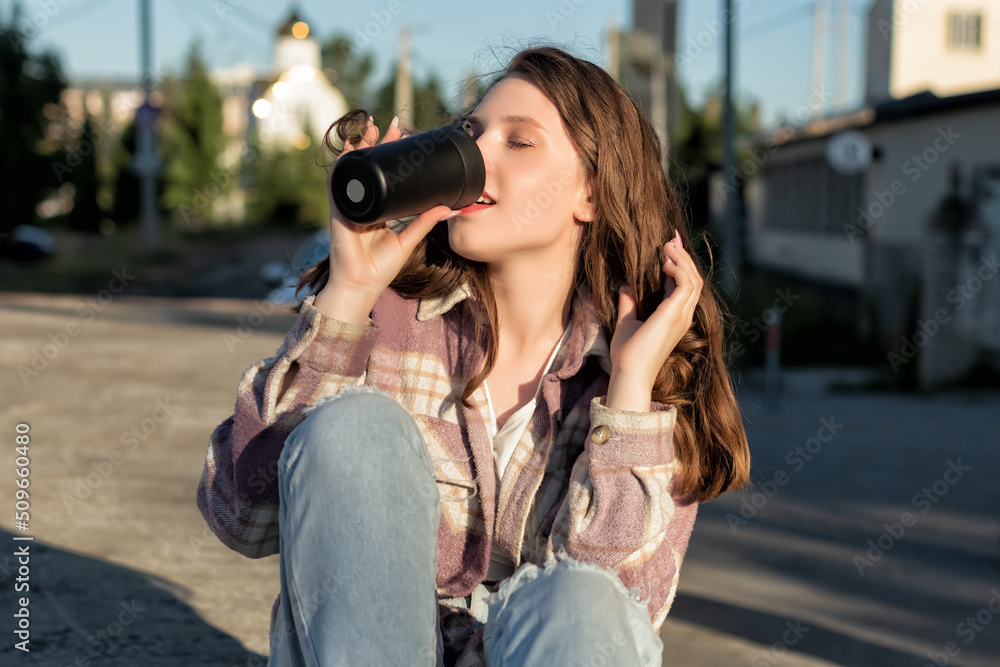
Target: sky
[{"x": 100, "y": 38}]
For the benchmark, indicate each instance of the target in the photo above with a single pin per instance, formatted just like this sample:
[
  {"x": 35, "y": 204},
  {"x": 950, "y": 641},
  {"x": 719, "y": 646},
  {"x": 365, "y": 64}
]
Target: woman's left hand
[{"x": 640, "y": 348}]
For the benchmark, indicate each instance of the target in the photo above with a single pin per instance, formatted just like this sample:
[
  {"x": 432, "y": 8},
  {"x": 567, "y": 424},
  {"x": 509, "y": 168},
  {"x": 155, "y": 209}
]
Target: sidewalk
[{"x": 125, "y": 572}]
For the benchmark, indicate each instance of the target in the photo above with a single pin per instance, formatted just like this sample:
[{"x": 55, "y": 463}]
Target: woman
[{"x": 484, "y": 442}]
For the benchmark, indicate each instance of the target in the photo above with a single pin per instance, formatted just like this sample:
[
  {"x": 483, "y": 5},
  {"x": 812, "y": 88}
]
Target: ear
[{"x": 584, "y": 211}]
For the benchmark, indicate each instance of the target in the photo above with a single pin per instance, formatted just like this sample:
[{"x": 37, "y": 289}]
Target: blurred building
[
  {"x": 642, "y": 60},
  {"x": 946, "y": 46},
  {"x": 297, "y": 102},
  {"x": 897, "y": 204}
]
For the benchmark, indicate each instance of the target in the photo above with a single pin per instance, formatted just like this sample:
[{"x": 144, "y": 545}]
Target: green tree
[
  {"x": 347, "y": 69},
  {"x": 192, "y": 142},
  {"x": 429, "y": 110},
  {"x": 30, "y": 85},
  {"x": 86, "y": 214},
  {"x": 287, "y": 184},
  {"x": 125, "y": 206}
]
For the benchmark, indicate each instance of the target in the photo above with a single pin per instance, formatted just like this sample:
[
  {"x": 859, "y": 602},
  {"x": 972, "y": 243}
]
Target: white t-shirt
[{"x": 504, "y": 442}]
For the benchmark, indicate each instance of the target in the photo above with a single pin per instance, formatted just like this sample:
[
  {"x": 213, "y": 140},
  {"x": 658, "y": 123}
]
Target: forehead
[{"x": 517, "y": 96}]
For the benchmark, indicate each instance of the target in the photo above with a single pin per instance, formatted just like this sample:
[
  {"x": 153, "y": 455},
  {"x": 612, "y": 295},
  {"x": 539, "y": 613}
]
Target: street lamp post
[
  {"x": 146, "y": 162},
  {"x": 730, "y": 216}
]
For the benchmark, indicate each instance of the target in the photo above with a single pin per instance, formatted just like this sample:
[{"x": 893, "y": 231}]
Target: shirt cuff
[
  {"x": 620, "y": 438},
  {"x": 329, "y": 345}
]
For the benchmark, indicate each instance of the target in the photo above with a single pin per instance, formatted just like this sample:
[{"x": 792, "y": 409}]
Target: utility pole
[
  {"x": 819, "y": 57},
  {"x": 469, "y": 90},
  {"x": 730, "y": 216},
  {"x": 146, "y": 162},
  {"x": 843, "y": 16},
  {"x": 404, "y": 83}
]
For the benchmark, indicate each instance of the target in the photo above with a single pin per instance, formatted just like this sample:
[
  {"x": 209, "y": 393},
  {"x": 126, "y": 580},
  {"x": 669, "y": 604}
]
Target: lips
[{"x": 485, "y": 201}]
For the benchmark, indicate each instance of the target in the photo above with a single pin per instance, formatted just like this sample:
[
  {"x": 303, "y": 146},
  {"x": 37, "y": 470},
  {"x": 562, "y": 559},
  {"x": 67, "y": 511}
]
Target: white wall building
[
  {"x": 949, "y": 47},
  {"x": 911, "y": 207}
]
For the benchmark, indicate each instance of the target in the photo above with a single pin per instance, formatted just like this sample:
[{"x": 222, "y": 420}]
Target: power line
[
  {"x": 67, "y": 15},
  {"x": 792, "y": 15},
  {"x": 186, "y": 19},
  {"x": 201, "y": 9},
  {"x": 251, "y": 19}
]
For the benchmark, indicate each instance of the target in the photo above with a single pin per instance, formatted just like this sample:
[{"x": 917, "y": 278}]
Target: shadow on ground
[{"x": 85, "y": 611}]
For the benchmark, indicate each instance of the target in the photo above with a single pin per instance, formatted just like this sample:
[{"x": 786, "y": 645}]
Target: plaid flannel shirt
[{"x": 609, "y": 503}]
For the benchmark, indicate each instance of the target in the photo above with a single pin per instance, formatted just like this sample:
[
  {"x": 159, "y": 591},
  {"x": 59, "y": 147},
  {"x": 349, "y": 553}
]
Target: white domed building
[{"x": 298, "y": 102}]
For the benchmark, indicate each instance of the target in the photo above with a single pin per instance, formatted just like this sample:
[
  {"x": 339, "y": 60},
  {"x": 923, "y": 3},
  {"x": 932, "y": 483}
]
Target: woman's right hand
[{"x": 364, "y": 259}]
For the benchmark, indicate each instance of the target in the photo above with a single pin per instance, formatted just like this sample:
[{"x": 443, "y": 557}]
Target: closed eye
[{"x": 516, "y": 145}]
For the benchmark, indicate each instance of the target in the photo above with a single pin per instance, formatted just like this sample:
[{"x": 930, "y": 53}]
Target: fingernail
[
  {"x": 677, "y": 234},
  {"x": 451, "y": 215},
  {"x": 371, "y": 121},
  {"x": 394, "y": 122}
]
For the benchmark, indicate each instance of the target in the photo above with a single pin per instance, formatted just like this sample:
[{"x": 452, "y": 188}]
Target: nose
[{"x": 486, "y": 150}]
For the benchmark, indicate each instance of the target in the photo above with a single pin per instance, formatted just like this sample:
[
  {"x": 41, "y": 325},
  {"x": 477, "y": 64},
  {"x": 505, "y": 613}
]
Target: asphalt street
[{"x": 871, "y": 537}]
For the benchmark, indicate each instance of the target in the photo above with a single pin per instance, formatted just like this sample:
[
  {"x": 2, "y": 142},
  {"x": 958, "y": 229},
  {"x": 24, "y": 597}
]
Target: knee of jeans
[
  {"x": 571, "y": 584},
  {"x": 358, "y": 423},
  {"x": 582, "y": 586}
]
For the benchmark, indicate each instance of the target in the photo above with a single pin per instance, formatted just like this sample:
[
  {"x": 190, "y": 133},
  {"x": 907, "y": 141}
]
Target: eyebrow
[{"x": 510, "y": 119}]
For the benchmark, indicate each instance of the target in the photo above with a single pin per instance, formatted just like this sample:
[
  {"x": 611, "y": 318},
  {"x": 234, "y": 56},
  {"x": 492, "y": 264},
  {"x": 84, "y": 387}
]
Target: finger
[
  {"x": 368, "y": 134},
  {"x": 626, "y": 305},
  {"x": 686, "y": 278},
  {"x": 672, "y": 250},
  {"x": 393, "y": 132},
  {"x": 421, "y": 226}
]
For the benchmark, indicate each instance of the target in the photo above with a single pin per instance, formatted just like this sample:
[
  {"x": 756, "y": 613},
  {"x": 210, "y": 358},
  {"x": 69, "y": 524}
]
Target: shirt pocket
[{"x": 451, "y": 457}]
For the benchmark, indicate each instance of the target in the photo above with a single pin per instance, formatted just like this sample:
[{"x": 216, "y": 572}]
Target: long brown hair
[{"x": 636, "y": 210}]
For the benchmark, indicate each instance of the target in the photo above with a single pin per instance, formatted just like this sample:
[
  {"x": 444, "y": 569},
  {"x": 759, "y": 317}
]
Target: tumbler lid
[{"x": 475, "y": 167}]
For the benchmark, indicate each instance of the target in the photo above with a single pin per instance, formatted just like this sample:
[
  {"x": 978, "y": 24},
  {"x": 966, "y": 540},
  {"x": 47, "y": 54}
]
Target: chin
[{"x": 459, "y": 240}]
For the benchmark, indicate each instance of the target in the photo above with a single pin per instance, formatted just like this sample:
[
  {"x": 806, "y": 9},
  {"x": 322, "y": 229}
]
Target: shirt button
[{"x": 600, "y": 435}]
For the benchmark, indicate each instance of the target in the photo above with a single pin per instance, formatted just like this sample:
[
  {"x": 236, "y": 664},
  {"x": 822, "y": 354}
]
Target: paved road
[{"x": 124, "y": 572}]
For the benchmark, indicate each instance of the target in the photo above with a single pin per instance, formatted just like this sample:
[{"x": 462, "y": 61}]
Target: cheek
[{"x": 545, "y": 194}]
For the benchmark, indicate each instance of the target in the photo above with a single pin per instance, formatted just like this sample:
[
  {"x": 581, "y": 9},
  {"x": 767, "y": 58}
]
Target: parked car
[
  {"x": 27, "y": 243},
  {"x": 284, "y": 276}
]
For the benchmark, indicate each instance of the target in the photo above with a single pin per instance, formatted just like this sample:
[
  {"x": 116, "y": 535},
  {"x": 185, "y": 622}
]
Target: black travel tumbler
[{"x": 409, "y": 176}]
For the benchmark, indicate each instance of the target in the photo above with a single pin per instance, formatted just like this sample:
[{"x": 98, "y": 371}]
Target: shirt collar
[{"x": 586, "y": 338}]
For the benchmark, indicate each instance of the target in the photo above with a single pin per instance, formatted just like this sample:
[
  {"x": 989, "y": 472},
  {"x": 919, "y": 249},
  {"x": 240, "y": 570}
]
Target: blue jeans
[{"x": 358, "y": 521}]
